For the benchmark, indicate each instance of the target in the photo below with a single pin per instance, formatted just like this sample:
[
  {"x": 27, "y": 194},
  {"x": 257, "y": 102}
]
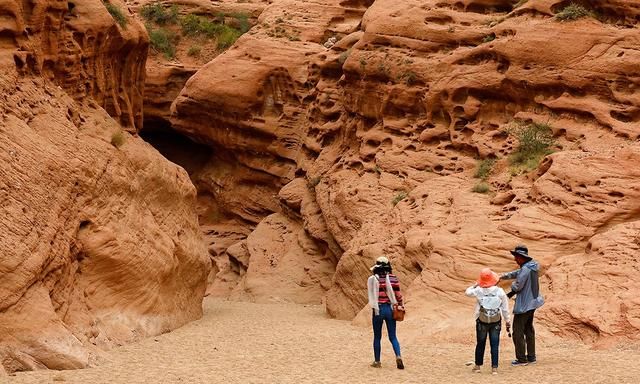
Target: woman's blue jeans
[
  {"x": 386, "y": 316},
  {"x": 482, "y": 331}
]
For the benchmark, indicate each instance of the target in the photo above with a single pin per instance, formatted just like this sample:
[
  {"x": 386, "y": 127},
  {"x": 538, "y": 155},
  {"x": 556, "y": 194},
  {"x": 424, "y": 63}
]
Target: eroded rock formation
[
  {"x": 234, "y": 194},
  {"x": 99, "y": 234},
  {"x": 76, "y": 44},
  {"x": 166, "y": 76},
  {"x": 364, "y": 122}
]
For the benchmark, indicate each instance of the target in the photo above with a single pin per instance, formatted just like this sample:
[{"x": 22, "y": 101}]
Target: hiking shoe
[
  {"x": 399, "y": 363},
  {"x": 376, "y": 364},
  {"x": 476, "y": 369},
  {"x": 494, "y": 371},
  {"x": 518, "y": 363}
]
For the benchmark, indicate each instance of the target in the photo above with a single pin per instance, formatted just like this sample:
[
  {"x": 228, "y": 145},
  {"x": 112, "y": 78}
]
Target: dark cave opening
[{"x": 175, "y": 146}]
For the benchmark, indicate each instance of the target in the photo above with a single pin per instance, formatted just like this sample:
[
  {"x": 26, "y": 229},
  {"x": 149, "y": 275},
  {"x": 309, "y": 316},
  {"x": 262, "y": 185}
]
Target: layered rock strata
[{"x": 99, "y": 233}]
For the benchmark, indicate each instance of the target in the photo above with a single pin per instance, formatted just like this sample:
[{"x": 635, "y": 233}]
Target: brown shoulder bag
[{"x": 398, "y": 312}]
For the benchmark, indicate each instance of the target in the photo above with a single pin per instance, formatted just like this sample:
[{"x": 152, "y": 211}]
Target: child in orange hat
[{"x": 492, "y": 305}]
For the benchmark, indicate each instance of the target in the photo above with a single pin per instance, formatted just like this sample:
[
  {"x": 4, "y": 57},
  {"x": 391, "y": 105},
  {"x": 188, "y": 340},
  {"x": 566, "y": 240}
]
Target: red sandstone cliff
[
  {"x": 371, "y": 146},
  {"x": 82, "y": 48},
  {"x": 99, "y": 234}
]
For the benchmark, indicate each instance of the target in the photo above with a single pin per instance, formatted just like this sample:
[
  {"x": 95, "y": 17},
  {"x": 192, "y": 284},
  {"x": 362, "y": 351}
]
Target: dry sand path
[{"x": 281, "y": 343}]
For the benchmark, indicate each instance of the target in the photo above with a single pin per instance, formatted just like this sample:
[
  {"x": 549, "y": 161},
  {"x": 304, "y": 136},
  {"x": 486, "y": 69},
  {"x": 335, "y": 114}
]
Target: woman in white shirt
[{"x": 492, "y": 305}]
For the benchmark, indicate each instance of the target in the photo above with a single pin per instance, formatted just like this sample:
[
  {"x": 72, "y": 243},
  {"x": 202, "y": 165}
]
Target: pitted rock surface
[{"x": 376, "y": 140}]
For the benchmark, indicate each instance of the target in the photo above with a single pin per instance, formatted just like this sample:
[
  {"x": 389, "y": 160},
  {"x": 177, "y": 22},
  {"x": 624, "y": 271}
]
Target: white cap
[{"x": 380, "y": 260}]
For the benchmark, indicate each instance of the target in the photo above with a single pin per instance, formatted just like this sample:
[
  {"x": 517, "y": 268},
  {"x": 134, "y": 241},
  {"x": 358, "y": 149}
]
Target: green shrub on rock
[
  {"x": 157, "y": 13},
  {"x": 573, "y": 12},
  {"x": 117, "y": 14},
  {"x": 535, "y": 142},
  {"x": 163, "y": 41}
]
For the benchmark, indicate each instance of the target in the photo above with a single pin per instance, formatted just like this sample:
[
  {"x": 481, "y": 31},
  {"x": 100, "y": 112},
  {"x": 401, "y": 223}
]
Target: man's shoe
[
  {"x": 532, "y": 361},
  {"x": 494, "y": 371},
  {"x": 376, "y": 364},
  {"x": 476, "y": 369},
  {"x": 518, "y": 363},
  {"x": 399, "y": 363}
]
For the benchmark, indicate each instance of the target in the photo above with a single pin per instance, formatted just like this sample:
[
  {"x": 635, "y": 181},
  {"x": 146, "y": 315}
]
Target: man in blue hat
[{"x": 528, "y": 299}]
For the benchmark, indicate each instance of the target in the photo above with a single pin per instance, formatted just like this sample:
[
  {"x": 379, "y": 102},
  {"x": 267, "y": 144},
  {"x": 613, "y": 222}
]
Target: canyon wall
[
  {"x": 364, "y": 123},
  {"x": 83, "y": 49},
  {"x": 167, "y": 76},
  {"x": 99, "y": 233}
]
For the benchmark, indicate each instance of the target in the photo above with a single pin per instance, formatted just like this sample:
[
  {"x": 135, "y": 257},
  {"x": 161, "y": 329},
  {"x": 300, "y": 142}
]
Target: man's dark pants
[{"x": 524, "y": 336}]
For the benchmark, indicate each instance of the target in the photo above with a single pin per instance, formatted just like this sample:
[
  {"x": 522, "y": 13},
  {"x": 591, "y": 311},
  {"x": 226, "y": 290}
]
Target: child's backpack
[{"x": 490, "y": 307}]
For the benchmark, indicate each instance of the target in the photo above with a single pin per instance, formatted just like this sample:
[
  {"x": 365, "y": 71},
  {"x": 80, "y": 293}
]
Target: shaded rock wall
[
  {"x": 99, "y": 234},
  {"x": 230, "y": 204}
]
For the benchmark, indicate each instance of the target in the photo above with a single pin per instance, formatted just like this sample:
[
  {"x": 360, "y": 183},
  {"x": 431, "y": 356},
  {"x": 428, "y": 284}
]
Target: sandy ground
[{"x": 281, "y": 343}]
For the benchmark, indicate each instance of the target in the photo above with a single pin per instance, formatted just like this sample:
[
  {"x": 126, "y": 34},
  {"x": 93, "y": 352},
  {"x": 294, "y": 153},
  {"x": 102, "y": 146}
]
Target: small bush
[
  {"x": 484, "y": 169},
  {"x": 157, "y": 13},
  {"x": 163, "y": 41},
  {"x": 117, "y": 14},
  {"x": 227, "y": 37},
  {"x": 193, "y": 25},
  {"x": 535, "y": 142},
  {"x": 481, "y": 187},
  {"x": 243, "y": 22},
  {"x": 409, "y": 77},
  {"x": 573, "y": 12},
  {"x": 190, "y": 24},
  {"x": 118, "y": 139},
  {"x": 278, "y": 31},
  {"x": 399, "y": 197},
  {"x": 194, "y": 50}
]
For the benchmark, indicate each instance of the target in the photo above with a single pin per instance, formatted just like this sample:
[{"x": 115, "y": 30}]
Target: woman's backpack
[{"x": 490, "y": 307}]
